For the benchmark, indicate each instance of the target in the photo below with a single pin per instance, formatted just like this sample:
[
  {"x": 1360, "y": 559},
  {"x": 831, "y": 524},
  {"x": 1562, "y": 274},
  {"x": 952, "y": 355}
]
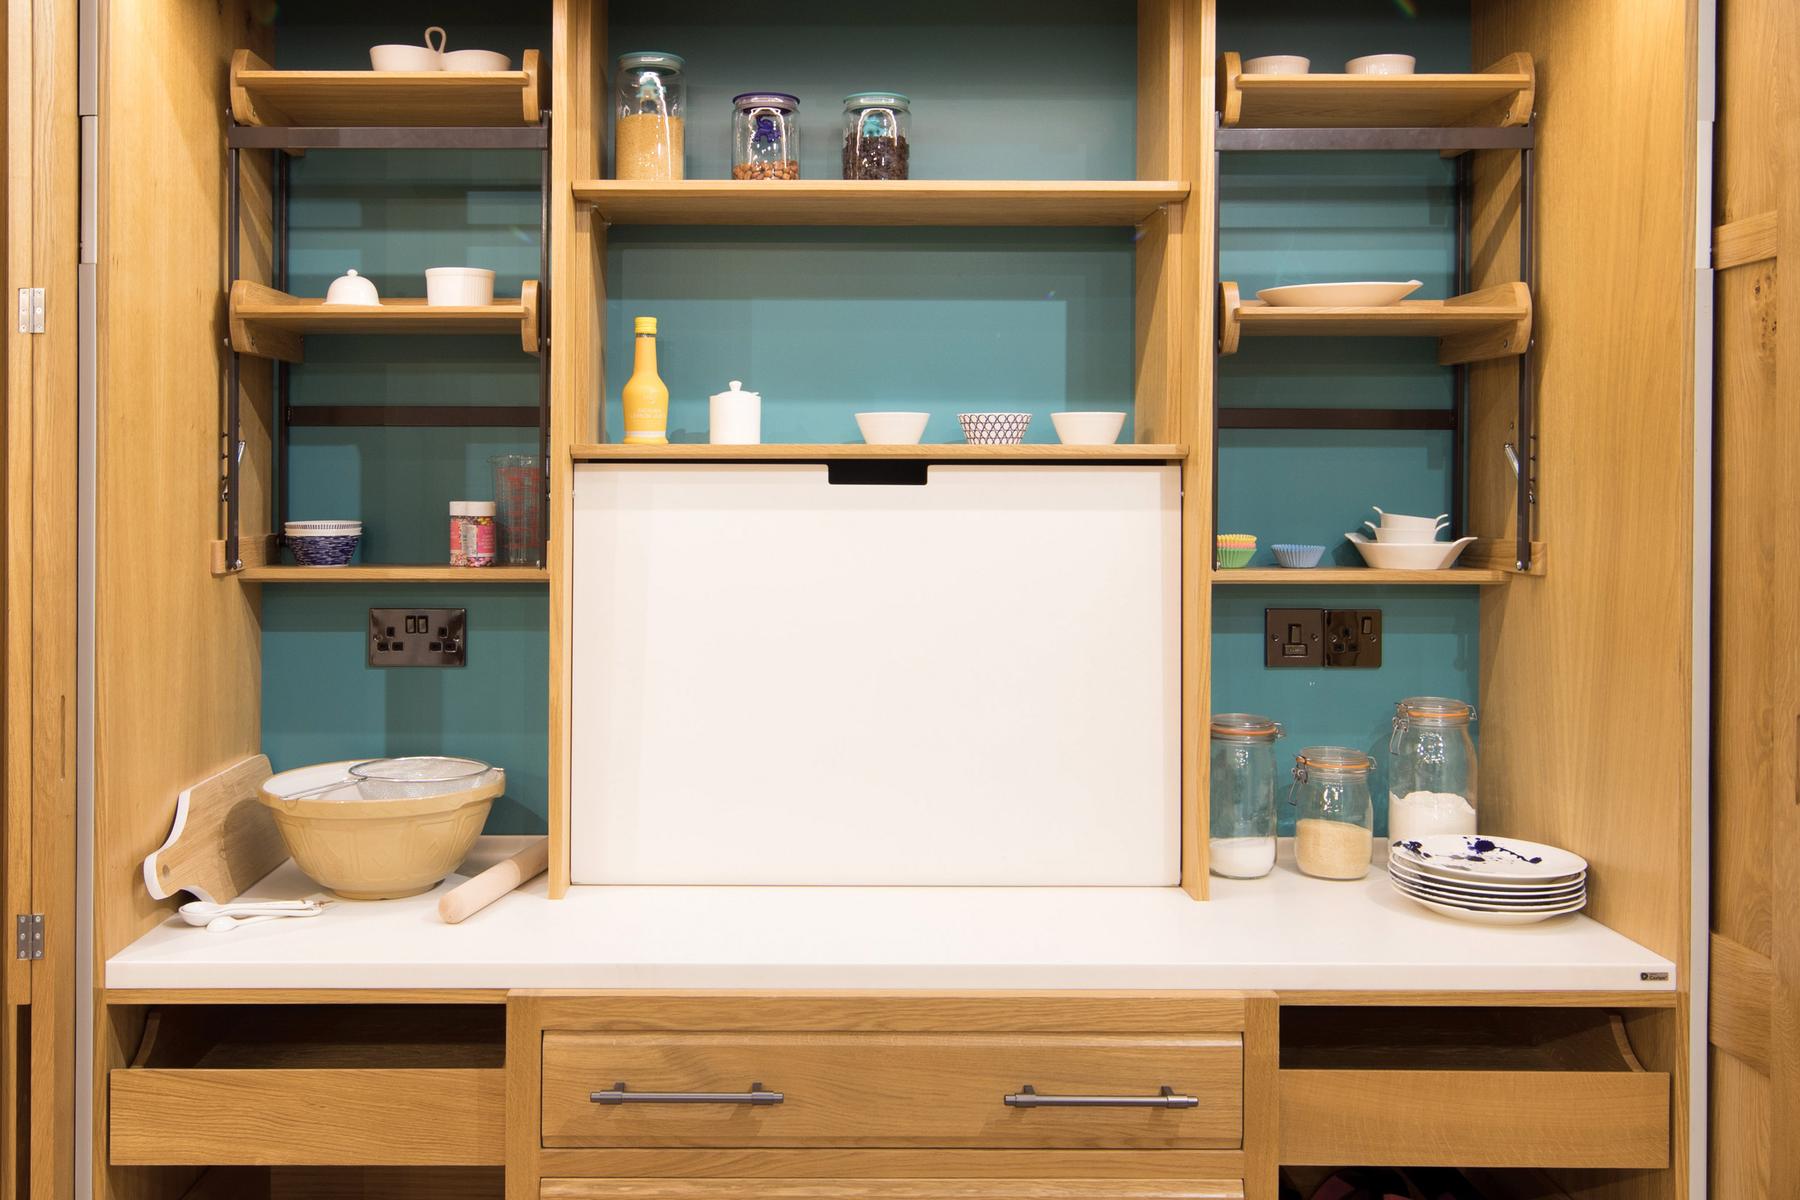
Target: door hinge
[
  {"x": 31, "y": 310},
  {"x": 28, "y": 935}
]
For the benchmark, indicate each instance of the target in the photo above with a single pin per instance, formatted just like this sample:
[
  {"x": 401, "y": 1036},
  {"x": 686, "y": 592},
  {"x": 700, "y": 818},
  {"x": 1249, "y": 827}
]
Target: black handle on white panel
[
  {"x": 617, "y": 1094},
  {"x": 879, "y": 472},
  {"x": 1027, "y": 1097}
]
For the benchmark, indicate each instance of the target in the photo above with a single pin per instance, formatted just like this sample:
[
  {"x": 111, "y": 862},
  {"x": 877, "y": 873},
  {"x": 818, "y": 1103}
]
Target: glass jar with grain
[
  {"x": 649, "y": 116},
  {"x": 1334, "y": 836},
  {"x": 876, "y": 128},
  {"x": 765, "y": 136}
]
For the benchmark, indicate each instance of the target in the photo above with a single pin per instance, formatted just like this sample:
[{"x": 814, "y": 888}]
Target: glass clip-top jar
[
  {"x": 1431, "y": 769},
  {"x": 876, "y": 135},
  {"x": 1334, "y": 837},
  {"x": 765, "y": 136},
  {"x": 649, "y": 116},
  {"x": 1241, "y": 843}
]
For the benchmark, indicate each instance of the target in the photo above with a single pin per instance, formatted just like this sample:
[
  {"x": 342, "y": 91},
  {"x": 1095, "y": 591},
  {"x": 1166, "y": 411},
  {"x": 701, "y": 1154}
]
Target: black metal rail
[
  {"x": 1454, "y": 419},
  {"x": 283, "y": 139}
]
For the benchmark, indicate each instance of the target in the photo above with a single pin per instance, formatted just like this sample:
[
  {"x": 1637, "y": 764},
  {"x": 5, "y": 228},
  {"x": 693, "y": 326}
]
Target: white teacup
[
  {"x": 1381, "y": 64},
  {"x": 395, "y": 56}
]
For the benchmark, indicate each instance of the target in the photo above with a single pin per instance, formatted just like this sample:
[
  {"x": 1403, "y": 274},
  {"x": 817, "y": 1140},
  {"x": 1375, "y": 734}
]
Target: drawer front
[
  {"x": 875, "y": 1090},
  {"x": 423, "y": 1117},
  {"x": 889, "y": 1189},
  {"x": 1476, "y": 1118}
]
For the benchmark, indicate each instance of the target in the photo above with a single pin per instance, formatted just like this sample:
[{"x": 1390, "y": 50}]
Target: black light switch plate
[
  {"x": 1293, "y": 637},
  {"x": 1353, "y": 637},
  {"x": 418, "y": 637}
]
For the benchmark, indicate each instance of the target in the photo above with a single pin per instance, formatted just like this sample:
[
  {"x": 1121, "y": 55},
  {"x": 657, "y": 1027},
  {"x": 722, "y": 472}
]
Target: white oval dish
[
  {"x": 1478, "y": 855},
  {"x": 1088, "y": 428},
  {"x": 1364, "y": 294},
  {"x": 1409, "y": 556},
  {"x": 1381, "y": 64},
  {"x": 892, "y": 428},
  {"x": 475, "y": 60},
  {"x": 1277, "y": 64},
  {"x": 458, "y": 287}
]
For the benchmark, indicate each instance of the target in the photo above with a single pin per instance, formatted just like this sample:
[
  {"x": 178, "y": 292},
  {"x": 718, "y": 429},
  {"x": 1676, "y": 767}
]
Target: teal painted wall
[
  {"x": 1297, "y": 218},
  {"x": 389, "y": 216},
  {"x": 826, "y": 323}
]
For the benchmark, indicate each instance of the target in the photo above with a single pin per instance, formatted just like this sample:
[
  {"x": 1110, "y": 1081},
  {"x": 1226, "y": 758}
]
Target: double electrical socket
[
  {"x": 1321, "y": 637},
  {"x": 418, "y": 637}
]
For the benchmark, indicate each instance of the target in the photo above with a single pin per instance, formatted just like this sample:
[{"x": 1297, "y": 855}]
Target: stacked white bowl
[{"x": 1406, "y": 543}]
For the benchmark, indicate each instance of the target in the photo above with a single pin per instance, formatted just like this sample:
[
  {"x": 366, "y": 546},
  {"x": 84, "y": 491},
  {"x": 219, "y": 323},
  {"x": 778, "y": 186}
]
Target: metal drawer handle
[
  {"x": 757, "y": 1095},
  {"x": 1027, "y": 1097}
]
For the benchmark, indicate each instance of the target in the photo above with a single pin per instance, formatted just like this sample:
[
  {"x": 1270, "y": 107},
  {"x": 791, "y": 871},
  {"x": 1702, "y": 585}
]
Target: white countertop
[{"x": 1283, "y": 932}]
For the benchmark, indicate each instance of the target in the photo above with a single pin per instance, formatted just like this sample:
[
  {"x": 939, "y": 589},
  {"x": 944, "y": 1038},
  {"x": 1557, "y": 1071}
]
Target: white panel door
[{"x": 779, "y": 679}]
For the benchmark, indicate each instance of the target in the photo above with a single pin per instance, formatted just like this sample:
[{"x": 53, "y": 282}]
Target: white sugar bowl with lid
[
  {"x": 736, "y": 417},
  {"x": 351, "y": 288}
]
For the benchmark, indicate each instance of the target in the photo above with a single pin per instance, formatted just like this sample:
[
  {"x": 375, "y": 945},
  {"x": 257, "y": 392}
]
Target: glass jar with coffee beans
[
  {"x": 876, "y": 126},
  {"x": 765, "y": 136}
]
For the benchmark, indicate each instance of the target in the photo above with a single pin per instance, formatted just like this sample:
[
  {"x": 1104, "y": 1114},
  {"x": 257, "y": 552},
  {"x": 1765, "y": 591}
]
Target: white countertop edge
[{"x": 1282, "y": 933}]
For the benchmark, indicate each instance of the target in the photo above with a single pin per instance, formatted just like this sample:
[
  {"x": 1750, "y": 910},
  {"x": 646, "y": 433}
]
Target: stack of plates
[{"x": 1496, "y": 881}]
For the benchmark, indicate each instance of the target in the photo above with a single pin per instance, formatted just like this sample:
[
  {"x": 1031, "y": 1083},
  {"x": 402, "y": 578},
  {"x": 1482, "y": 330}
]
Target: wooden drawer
[
  {"x": 894, "y": 1089},
  {"x": 889, "y": 1189},
  {"x": 1467, "y": 1087},
  {"x": 281, "y": 1086}
]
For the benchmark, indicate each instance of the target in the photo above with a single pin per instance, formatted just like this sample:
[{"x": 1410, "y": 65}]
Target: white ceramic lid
[
  {"x": 351, "y": 288},
  {"x": 737, "y": 389}
]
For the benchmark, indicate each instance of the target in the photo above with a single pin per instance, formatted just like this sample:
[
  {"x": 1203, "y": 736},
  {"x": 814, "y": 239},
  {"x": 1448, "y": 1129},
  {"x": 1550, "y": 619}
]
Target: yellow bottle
[{"x": 646, "y": 397}]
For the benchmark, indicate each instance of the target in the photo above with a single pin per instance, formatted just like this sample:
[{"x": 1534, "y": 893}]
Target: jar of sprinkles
[{"x": 472, "y": 533}]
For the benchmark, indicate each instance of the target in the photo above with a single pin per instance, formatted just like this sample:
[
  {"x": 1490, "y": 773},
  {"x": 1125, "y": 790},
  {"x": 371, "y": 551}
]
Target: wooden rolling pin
[{"x": 470, "y": 897}]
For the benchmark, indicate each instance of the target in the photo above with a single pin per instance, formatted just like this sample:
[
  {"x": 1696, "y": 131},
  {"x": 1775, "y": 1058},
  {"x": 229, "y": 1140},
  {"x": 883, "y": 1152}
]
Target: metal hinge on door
[
  {"x": 28, "y": 935},
  {"x": 31, "y": 310}
]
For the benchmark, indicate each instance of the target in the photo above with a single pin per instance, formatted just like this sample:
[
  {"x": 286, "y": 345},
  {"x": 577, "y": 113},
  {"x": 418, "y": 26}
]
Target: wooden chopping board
[{"x": 223, "y": 839}]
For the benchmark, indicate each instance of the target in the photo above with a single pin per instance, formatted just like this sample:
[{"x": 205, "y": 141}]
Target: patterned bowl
[
  {"x": 1290, "y": 555},
  {"x": 994, "y": 428},
  {"x": 323, "y": 543}
]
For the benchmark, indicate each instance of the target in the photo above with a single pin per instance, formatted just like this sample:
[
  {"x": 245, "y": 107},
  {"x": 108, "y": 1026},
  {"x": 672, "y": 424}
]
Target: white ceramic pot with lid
[
  {"x": 736, "y": 417},
  {"x": 351, "y": 288},
  {"x": 397, "y": 56}
]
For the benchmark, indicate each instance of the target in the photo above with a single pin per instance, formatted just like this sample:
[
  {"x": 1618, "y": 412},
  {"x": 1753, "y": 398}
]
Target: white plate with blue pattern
[{"x": 1477, "y": 856}]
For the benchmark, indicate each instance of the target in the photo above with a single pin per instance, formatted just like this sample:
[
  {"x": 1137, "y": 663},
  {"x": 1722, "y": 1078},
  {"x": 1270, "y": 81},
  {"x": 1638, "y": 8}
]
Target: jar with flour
[
  {"x": 1242, "y": 841},
  {"x": 1431, "y": 769}
]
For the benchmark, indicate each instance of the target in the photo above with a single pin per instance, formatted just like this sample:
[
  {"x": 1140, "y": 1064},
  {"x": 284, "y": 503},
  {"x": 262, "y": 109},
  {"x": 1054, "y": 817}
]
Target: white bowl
[
  {"x": 1380, "y": 64},
  {"x": 1088, "y": 428},
  {"x": 1402, "y": 521},
  {"x": 1339, "y": 295},
  {"x": 1404, "y": 535},
  {"x": 1277, "y": 64},
  {"x": 1415, "y": 556},
  {"x": 394, "y": 56},
  {"x": 476, "y": 60},
  {"x": 458, "y": 287},
  {"x": 405, "y": 58},
  {"x": 892, "y": 428},
  {"x": 994, "y": 428}
]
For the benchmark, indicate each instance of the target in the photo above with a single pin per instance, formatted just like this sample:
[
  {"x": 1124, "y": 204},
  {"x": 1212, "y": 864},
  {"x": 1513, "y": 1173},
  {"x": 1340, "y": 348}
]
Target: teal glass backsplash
[
  {"x": 390, "y": 215},
  {"x": 826, "y": 322},
  {"x": 1301, "y": 218}
]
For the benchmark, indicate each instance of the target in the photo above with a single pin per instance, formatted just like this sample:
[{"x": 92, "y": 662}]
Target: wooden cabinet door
[
  {"x": 1755, "y": 982},
  {"x": 38, "y": 698}
]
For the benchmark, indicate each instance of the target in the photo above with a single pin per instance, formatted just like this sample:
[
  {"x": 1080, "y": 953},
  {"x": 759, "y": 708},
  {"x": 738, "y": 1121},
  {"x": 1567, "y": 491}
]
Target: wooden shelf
[
  {"x": 261, "y": 95},
  {"x": 272, "y": 324},
  {"x": 950, "y": 452},
  {"x": 1365, "y": 576},
  {"x": 1502, "y": 95},
  {"x": 867, "y": 202},
  {"x": 1494, "y": 322},
  {"x": 393, "y": 573}
]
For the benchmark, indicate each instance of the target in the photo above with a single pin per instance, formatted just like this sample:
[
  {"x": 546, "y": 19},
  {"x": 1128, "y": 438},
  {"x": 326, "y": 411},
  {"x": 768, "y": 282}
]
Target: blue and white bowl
[
  {"x": 1290, "y": 555},
  {"x": 994, "y": 428},
  {"x": 323, "y": 543}
]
